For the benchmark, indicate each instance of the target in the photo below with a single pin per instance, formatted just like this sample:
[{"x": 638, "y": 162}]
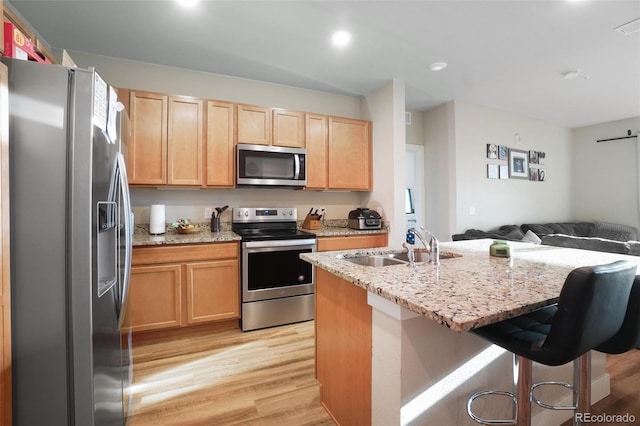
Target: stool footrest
[
  {"x": 484, "y": 421},
  {"x": 550, "y": 406}
]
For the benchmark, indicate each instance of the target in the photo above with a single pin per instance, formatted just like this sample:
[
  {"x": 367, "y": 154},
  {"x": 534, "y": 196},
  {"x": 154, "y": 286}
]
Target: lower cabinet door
[
  {"x": 155, "y": 297},
  {"x": 212, "y": 291}
]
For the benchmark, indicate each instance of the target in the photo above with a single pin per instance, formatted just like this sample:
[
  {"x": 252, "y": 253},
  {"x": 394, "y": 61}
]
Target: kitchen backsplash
[{"x": 191, "y": 203}]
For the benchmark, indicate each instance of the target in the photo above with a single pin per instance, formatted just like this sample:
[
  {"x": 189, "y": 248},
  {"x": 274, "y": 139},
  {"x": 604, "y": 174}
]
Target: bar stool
[
  {"x": 627, "y": 338},
  {"x": 590, "y": 311}
]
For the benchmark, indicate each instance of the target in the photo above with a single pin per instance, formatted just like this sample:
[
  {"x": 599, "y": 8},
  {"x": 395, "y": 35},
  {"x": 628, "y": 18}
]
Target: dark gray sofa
[{"x": 598, "y": 236}]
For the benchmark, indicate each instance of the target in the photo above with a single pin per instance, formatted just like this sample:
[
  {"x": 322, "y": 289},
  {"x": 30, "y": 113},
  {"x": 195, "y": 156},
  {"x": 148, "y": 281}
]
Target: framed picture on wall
[
  {"x": 504, "y": 171},
  {"x": 518, "y": 164},
  {"x": 502, "y": 152},
  {"x": 492, "y": 151}
]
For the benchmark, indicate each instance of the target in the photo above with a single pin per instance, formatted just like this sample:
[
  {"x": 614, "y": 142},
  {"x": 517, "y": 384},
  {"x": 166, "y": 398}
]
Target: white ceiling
[{"x": 508, "y": 55}]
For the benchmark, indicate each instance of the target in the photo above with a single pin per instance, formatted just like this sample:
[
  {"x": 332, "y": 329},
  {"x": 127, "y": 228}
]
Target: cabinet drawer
[
  {"x": 352, "y": 242},
  {"x": 184, "y": 253}
]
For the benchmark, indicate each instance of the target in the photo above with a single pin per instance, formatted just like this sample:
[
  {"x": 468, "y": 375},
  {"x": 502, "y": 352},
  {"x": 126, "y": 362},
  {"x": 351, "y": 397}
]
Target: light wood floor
[
  {"x": 260, "y": 377},
  {"x": 624, "y": 398},
  {"x": 266, "y": 377}
]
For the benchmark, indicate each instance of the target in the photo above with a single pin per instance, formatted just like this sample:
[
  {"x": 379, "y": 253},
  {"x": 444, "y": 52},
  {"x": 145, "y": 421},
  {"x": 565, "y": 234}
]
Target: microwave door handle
[{"x": 296, "y": 166}]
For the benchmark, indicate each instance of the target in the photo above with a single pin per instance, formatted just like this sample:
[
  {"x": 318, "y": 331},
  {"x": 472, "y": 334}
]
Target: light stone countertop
[
  {"x": 470, "y": 291},
  {"x": 141, "y": 236}
]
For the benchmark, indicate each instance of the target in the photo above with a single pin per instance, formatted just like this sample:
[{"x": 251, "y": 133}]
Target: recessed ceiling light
[
  {"x": 438, "y": 66},
  {"x": 187, "y": 3},
  {"x": 568, "y": 75},
  {"x": 341, "y": 38}
]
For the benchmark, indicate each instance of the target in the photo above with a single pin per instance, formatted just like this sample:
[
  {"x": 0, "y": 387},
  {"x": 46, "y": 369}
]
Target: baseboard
[{"x": 600, "y": 388}]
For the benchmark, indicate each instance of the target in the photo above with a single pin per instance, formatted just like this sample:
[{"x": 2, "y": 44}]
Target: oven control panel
[{"x": 264, "y": 214}]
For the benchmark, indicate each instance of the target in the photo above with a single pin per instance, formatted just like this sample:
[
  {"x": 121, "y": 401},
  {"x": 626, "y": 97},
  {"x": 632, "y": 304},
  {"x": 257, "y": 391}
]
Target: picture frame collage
[{"x": 520, "y": 164}]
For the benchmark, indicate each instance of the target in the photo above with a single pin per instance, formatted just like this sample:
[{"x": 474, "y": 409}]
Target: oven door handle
[{"x": 279, "y": 243}]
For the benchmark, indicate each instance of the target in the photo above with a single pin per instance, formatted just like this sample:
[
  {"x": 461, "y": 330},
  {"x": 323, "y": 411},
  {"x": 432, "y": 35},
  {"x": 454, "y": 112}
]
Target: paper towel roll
[{"x": 156, "y": 219}]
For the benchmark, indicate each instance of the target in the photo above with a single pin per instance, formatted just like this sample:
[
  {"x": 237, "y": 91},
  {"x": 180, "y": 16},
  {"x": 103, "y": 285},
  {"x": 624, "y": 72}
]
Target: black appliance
[
  {"x": 262, "y": 165},
  {"x": 363, "y": 218},
  {"x": 277, "y": 286}
]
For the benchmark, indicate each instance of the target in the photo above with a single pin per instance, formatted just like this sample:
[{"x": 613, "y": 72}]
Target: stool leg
[
  {"x": 582, "y": 385},
  {"x": 522, "y": 380}
]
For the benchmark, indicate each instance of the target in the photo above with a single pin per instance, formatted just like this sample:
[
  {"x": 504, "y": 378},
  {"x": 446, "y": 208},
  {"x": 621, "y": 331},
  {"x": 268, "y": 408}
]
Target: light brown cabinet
[
  {"x": 317, "y": 145},
  {"x": 253, "y": 124},
  {"x": 165, "y": 146},
  {"x": 348, "y": 242},
  {"x": 147, "y": 147},
  {"x": 350, "y": 154},
  {"x": 288, "y": 128},
  {"x": 184, "y": 141},
  {"x": 219, "y": 146},
  {"x": 339, "y": 153},
  {"x": 209, "y": 297},
  {"x": 182, "y": 285},
  {"x": 155, "y": 297}
]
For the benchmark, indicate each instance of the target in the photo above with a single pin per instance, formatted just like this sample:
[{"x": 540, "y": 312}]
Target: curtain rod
[{"x": 629, "y": 136}]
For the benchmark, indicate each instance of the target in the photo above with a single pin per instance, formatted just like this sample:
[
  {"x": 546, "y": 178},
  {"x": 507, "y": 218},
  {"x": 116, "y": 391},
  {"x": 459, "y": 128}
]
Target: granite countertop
[
  {"x": 470, "y": 291},
  {"x": 343, "y": 231},
  {"x": 141, "y": 236}
]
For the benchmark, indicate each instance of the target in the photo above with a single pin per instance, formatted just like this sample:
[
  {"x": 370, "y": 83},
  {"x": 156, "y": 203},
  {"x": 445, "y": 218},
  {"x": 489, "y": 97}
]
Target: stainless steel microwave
[{"x": 260, "y": 165}]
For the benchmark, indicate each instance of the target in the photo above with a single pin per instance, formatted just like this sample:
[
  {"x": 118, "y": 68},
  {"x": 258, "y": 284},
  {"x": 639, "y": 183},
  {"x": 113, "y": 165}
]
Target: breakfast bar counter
[{"x": 391, "y": 341}]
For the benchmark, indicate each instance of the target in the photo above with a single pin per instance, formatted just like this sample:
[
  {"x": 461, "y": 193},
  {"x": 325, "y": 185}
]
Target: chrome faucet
[
  {"x": 433, "y": 247},
  {"x": 415, "y": 232},
  {"x": 410, "y": 254}
]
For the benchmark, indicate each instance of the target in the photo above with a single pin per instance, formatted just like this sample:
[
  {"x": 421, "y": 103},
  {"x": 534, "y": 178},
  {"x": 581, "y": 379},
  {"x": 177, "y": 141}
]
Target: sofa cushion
[
  {"x": 586, "y": 243},
  {"x": 505, "y": 232},
  {"x": 531, "y": 237},
  {"x": 614, "y": 231},
  {"x": 579, "y": 229}
]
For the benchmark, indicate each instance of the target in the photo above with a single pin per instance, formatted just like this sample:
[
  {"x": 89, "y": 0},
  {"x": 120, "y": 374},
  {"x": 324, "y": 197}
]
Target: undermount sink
[
  {"x": 375, "y": 260},
  {"x": 398, "y": 258},
  {"x": 422, "y": 255}
]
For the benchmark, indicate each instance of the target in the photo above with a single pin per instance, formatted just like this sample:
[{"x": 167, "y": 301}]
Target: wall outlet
[{"x": 208, "y": 211}]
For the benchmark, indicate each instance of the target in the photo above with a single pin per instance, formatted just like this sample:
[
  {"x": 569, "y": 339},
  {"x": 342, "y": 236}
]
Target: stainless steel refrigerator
[{"x": 71, "y": 232}]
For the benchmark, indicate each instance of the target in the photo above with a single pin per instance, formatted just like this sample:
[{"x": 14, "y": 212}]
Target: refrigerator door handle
[{"x": 128, "y": 230}]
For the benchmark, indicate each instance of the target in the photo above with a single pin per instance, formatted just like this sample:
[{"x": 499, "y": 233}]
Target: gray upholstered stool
[{"x": 590, "y": 311}]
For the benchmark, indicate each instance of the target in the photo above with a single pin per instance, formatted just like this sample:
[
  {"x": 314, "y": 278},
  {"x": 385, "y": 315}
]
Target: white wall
[
  {"x": 439, "y": 141},
  {"x": 605, "y": 173},
  {"x": 386, "y": 109},
  {"x": 456, "y": 136},
  {"x": 191, "y": 203}
]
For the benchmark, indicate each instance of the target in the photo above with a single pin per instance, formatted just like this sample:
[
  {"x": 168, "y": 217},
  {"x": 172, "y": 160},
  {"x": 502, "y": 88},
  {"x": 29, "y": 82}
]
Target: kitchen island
[{"x": 391, "y": 341}]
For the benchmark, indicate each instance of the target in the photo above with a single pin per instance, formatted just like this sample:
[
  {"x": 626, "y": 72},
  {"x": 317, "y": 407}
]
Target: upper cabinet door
[
  {"x": 317, "y": 151},
  {"x": 147, "y": 150},
  {"x": 185, "y": 134},
  {"x": 288, "y": 128},
  {"x": 350, "y": 154},
  {"x": 219, "y": 154},
  {"x": 253, "y": 124}
]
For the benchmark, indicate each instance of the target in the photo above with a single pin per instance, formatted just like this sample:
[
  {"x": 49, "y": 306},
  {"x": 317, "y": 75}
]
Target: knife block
[{"x": 310, "y": 223}]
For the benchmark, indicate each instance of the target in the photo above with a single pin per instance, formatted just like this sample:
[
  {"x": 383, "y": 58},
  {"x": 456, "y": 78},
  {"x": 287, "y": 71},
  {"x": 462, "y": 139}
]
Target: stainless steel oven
[{"x": 277, "y": 286}]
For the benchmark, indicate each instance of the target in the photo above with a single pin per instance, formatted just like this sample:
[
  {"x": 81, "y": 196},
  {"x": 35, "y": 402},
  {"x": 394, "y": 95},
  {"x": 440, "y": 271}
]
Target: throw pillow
[{"x": 531, "y": 237}]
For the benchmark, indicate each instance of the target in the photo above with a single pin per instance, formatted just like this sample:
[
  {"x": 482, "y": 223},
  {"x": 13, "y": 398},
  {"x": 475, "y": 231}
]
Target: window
[{"x": 408, "y": 202}]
